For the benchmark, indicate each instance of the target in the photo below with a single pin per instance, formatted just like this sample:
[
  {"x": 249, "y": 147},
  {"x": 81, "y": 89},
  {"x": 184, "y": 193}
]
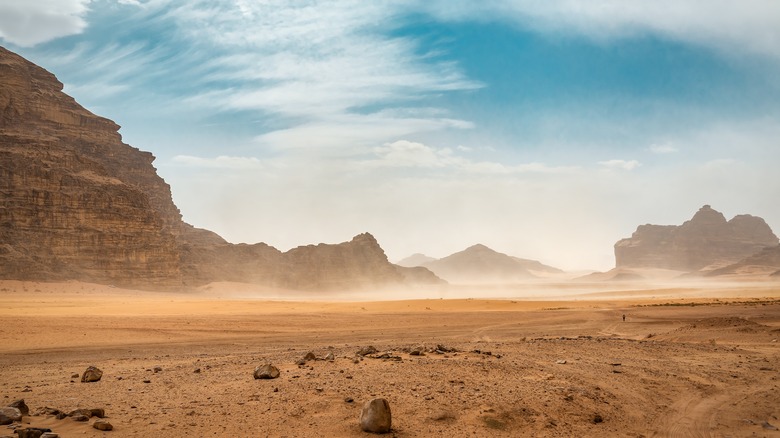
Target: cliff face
[
  {"x": 707, "y": 240},
  {"x": 79, "y": 204}
]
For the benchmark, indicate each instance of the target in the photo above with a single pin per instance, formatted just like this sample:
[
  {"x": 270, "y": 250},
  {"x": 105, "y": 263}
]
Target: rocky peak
[{"x": 705, "y": 217}]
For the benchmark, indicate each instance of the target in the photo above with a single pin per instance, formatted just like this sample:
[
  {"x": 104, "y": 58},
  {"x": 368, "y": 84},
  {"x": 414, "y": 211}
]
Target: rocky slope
[
  {"x": 79, "y": 204},
  {"x": 706, "y": 242},
  {"x": 764, "y": 262}
]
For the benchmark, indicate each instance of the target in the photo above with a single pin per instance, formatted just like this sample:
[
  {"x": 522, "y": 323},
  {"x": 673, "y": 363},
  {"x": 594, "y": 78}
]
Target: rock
[
  {"x": 196, "y": 371},
  {"x": 8, "y": 415},
  {"x": 705, "y": 240},
  {"x": 50, "y": 435},
  {"x": 80, "y": 417},
  {"x": 74, "y": 376},
  {"x": 310, "y": 356},
  {"x": 92, "y": 374},
  {"x": 33, "y": 432},
  {"x": 21, "y": 405},
  {"x": 366, "y": 351},
  {"x": 330, "y": 356},
  {"x": 157, "y": 369},
  {"x": 597, "y": 418},
  {"x": 561, "y": 362},
  {"x": 96, "y": 412},
  {"x": 101, "y": 424},
  {"x": 267, "y": 371},
  {"x": 376, "y": 417}
]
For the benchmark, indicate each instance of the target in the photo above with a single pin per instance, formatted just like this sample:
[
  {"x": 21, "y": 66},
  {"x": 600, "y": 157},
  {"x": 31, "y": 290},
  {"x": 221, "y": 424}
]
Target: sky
[{"x": 543, "y": 129}]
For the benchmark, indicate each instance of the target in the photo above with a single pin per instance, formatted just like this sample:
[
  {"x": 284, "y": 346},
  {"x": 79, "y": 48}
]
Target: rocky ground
[{"x": 175, "y": 366}]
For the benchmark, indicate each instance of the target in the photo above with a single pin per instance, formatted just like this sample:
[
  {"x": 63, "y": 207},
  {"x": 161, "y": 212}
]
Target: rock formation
[
  {"x": 705, "y": 242},
  {"x": 79, "y": 204}
]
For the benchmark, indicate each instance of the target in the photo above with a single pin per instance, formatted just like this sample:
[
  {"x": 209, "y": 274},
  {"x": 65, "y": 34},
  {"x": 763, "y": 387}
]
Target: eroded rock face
[
  {"x": 77, "y": 202},
  {"x": 708, "y": 240}
]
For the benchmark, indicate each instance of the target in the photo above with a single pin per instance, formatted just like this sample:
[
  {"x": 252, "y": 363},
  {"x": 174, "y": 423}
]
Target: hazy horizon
[{"x": 543, "y": 130}]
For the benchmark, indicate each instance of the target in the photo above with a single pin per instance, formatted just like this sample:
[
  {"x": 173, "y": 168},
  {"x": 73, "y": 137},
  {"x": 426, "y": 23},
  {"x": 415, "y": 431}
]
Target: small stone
[
  {"x": 330, "y": 356},
  {"x": 147, "y": 381},
  {"x": 267, "y": 371},
  {"x": 366, "y": 350},
  {"x": 597, "y": 418},
  {"x": 309, "y": 356},
  {"x": 349, "y": 399},
  {"x": 561, "y": 362},
  {"x": 157, "y": 369},
  {"x": 74, "y": 376},
  {"x": 80, "y": 417},
  {"x": 50, "y": 435},
  {"x": 21, "y": 405},
  {"x": 768, "y": 426},
  {"x": 101, "y": 424},
  {"x": 196, "y": 371},
  {"x": 376, "y": 416},
  {"x": 92, "y": 374},
  {"x": 9, "y": 415}
]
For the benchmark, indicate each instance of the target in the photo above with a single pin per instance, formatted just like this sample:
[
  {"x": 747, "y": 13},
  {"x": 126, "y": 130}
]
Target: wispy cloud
[
  {"x": 663, "y": 149},
  {"x": 621, "y": 164},
  {"x": 749, "y": 26},
  {"x": 220, "y": 162}
]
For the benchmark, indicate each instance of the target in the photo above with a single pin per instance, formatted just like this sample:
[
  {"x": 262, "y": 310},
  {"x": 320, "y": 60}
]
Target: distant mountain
[
  {"x": 415, "y": 260},
  {"x": 706, "y": 242},
  {"x": 536, "y": 267},
  {"x": 480, "y": 264}
]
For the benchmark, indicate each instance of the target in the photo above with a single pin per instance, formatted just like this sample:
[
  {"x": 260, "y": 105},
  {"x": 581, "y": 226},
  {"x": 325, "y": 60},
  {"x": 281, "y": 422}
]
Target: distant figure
[{"x": 624, "y": 317}]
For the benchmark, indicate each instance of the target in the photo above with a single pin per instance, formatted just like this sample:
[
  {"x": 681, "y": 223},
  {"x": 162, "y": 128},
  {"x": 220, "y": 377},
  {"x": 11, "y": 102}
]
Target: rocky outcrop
[
  {"x": 707, "y": 241},
  {"x": 79, "y": 204}
]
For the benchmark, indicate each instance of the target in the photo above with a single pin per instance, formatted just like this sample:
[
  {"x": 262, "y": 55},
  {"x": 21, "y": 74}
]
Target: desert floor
[{"x": 693, "y": 361}]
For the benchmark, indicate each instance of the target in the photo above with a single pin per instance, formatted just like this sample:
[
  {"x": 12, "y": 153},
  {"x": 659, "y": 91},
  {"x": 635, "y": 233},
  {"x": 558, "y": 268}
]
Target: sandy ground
[{"x": 688, "y": 361}]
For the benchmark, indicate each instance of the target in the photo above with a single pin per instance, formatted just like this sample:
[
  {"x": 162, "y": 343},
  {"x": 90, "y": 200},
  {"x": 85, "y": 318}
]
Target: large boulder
[{"x": 376, "y": 417}]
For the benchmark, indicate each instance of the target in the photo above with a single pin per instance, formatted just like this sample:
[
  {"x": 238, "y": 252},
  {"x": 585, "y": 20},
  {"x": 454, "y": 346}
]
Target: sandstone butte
[
  {"x": 707, "y": 242},
  {"x": 79, "y": 204}
]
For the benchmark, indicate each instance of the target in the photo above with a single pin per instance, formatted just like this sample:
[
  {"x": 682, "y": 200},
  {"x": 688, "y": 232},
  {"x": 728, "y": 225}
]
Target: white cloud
[
  {"x": 621, "y": 164},
  {"x": 27, "y": 23},
  {"x": 732, "y": 27}
]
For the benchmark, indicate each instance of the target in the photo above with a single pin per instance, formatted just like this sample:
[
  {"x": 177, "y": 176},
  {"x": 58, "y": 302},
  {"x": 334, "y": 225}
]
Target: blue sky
[{"x": 543, "y": 129}]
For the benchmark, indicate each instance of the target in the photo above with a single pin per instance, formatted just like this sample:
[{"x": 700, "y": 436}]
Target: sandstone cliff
[
  {"x": 707, "y": 241},
  {"x": 79, "y": 204}
]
